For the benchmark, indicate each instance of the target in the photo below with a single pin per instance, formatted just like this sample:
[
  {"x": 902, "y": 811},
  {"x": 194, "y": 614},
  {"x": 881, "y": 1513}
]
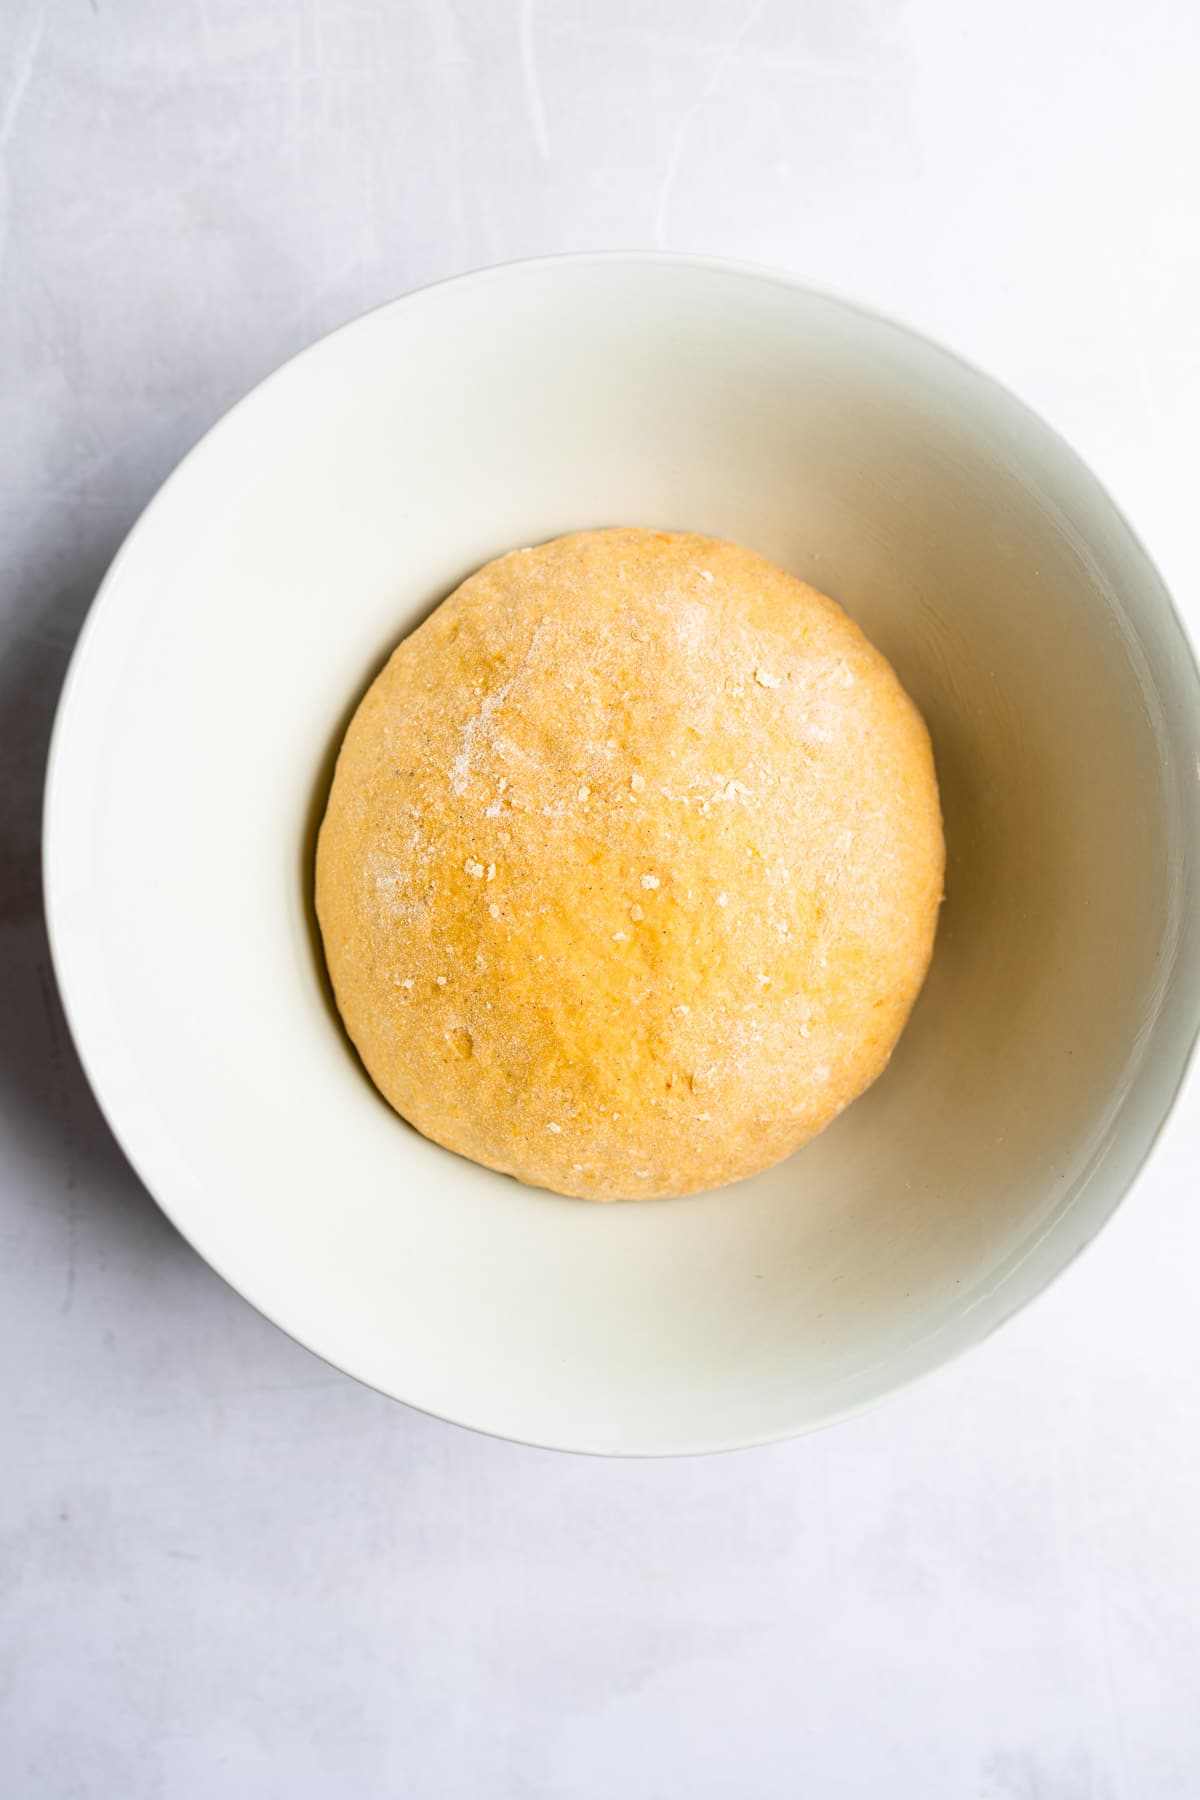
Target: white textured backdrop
[{"x": 224, "y": 1570}]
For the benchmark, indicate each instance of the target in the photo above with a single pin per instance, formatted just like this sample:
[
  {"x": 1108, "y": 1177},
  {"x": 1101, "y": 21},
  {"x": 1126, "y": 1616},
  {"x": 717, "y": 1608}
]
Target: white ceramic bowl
[{"x": 313, "y": 528}]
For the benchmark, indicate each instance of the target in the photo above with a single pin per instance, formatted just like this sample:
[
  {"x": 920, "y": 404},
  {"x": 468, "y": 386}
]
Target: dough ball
[{"x": 631, "y": 866}]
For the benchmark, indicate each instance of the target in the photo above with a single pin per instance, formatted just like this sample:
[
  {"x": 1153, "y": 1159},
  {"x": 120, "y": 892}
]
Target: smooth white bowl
[{"x": 313, "y": 528}]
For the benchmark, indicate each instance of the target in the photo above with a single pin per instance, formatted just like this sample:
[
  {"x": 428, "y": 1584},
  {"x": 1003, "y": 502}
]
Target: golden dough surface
[{"x": 631, "y": 866}]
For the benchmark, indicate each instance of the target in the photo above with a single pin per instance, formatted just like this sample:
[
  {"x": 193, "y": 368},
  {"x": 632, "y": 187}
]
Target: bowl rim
[{"x": 516, "y": 268}]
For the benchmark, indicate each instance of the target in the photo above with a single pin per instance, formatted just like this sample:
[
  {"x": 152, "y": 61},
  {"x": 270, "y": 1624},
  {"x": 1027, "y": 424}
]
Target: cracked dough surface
[{"x": 631, "y": 866}]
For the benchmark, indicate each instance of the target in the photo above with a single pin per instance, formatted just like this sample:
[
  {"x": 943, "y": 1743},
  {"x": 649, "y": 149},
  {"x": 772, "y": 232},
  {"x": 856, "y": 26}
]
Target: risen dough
[{"x": 631, "y": 866}]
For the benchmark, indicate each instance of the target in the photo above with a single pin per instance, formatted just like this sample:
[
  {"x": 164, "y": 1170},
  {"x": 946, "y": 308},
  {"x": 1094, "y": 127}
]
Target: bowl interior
[{"x": 262, "y": 589}]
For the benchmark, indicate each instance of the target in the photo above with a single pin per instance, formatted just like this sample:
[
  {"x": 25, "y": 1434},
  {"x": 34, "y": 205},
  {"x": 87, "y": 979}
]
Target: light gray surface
[{"x": 222, "y": 1567}]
